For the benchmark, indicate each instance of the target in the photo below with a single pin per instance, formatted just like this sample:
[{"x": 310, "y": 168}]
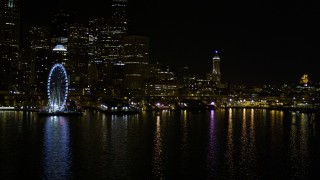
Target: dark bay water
[{"x": 220, "y": 144}]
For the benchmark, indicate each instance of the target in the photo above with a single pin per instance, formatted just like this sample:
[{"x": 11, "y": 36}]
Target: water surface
[{"x": 219, "y": 144}]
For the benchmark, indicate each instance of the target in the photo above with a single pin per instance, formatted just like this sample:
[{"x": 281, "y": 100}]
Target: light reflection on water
[
  {"x": 118, "y": 146},
  {"x": 57, "y": 158},
  {"x": 158, "y": 164},
  {"x": 184, "y": 141},
  {"x": 229, "y": 154},
  {"x": 211, "y": 156},
  {"x": 222, "y": 144},
  {"x": 298, "y": 145}
]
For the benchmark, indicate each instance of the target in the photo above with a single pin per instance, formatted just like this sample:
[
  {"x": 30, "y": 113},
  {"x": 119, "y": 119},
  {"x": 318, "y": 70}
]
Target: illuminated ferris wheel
[{"x": 57, "y": 88}]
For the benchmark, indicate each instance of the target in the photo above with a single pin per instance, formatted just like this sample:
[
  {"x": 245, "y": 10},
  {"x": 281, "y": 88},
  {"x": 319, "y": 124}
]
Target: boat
[
  {"x": 194, "y": 105},
  {"x": 118, "y": 107}
]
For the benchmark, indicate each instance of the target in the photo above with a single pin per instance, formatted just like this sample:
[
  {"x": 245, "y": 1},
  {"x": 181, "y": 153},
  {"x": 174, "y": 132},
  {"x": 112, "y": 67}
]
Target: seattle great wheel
[{"x": 57, "y": 88}]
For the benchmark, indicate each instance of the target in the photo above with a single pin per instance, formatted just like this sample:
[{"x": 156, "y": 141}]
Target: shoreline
[{"x": 300, "y": 109}]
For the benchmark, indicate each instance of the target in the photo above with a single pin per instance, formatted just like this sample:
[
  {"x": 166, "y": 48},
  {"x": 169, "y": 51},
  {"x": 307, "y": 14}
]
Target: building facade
[
  {"x": 9, "y": 44},
  {"x": 38, "y": 58}
]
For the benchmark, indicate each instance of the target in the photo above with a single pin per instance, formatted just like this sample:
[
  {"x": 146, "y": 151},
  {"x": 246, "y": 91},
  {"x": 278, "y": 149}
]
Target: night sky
[{"x": 259, "y": 43}]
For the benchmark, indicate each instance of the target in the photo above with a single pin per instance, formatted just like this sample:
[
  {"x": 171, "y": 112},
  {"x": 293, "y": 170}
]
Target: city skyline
[{"x": 270, "y": 43}]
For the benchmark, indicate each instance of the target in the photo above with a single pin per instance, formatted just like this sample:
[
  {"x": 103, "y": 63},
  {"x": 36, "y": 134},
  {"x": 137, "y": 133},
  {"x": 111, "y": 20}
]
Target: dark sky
[{"x": 259, "y": 43}]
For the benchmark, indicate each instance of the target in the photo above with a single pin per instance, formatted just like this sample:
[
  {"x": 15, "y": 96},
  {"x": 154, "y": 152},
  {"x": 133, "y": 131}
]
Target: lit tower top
[
  {"x": 119, "y": 15},
  {"x": 119, "y": 9},
  {"x": 216, "y": 63},
  {"x": 9, "y": 23},
  {"x": 10, "y": 3}
]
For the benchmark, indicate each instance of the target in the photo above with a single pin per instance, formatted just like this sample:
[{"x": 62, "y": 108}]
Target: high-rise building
[
  {"x": 100, "y": 52},
  {"x": 118, "y": 29},
  {"x": 136, "y": 50},
  {"x": 106, "y": 42},
  {"x": 78, "y": 56},
  {"x": 119, "y": 13},
  {"x": 106, "y": 35},
  {"x": 38, "y": 60},
  {"x": 216, "y": 75},
  {"x": 117, "y": 76},
  {"x": 60, "y": 24},
  {"x": 162, "y": 82},
  {"x": 102, "y": 44},
  {"x": 9, "y": 43},
  {"x": 136, "y": 60}
]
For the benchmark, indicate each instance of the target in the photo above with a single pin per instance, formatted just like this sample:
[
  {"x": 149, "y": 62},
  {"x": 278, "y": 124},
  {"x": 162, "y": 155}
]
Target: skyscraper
[
  {"x": 118, "y": 29},
  {"x": 78, "y": 57},
  {"x": 106, "y": 43},
  {"x": 119, "y": 13},
  {"x": 9, "y": 42},
  {"x": 60, "y": 25},
  {"x": 136, "y": 50},
  {"x": 38, "y": 60},
  {"x": 216, "y": 75},
  {"x": 100, "y": 49},
  {"x": 136, "y": 59}
]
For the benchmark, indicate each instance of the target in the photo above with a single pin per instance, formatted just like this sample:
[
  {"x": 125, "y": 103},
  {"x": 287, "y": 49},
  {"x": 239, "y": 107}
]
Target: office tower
[
  {"x": 38, "y": 59},
  {"x": 78, "y": 57},
  {"x": 101, "y": 43},
  {"x": 106, "y": 44},
  {"x": 100, "y": 52},
  {"x": 9, "y": 43},
  {"x": 117, "y": 76},
  {"x": 136, "y": 50},
  {"x": 106, "y": 34},
  {"x": 118, "y": 29},
  {"x": 216, "y": 75},
  {"x": 162, "y": 82},
  {"x": 183, "y": 77},
  {"x": 136, "y": 59},
  {"x": 60, "y": 24},
  {"x": 119, "y": 13}
]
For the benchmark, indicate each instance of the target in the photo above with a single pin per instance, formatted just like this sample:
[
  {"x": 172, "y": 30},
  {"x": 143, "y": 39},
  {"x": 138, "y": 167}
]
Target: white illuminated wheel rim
[{"x": 57, "y": 88}]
